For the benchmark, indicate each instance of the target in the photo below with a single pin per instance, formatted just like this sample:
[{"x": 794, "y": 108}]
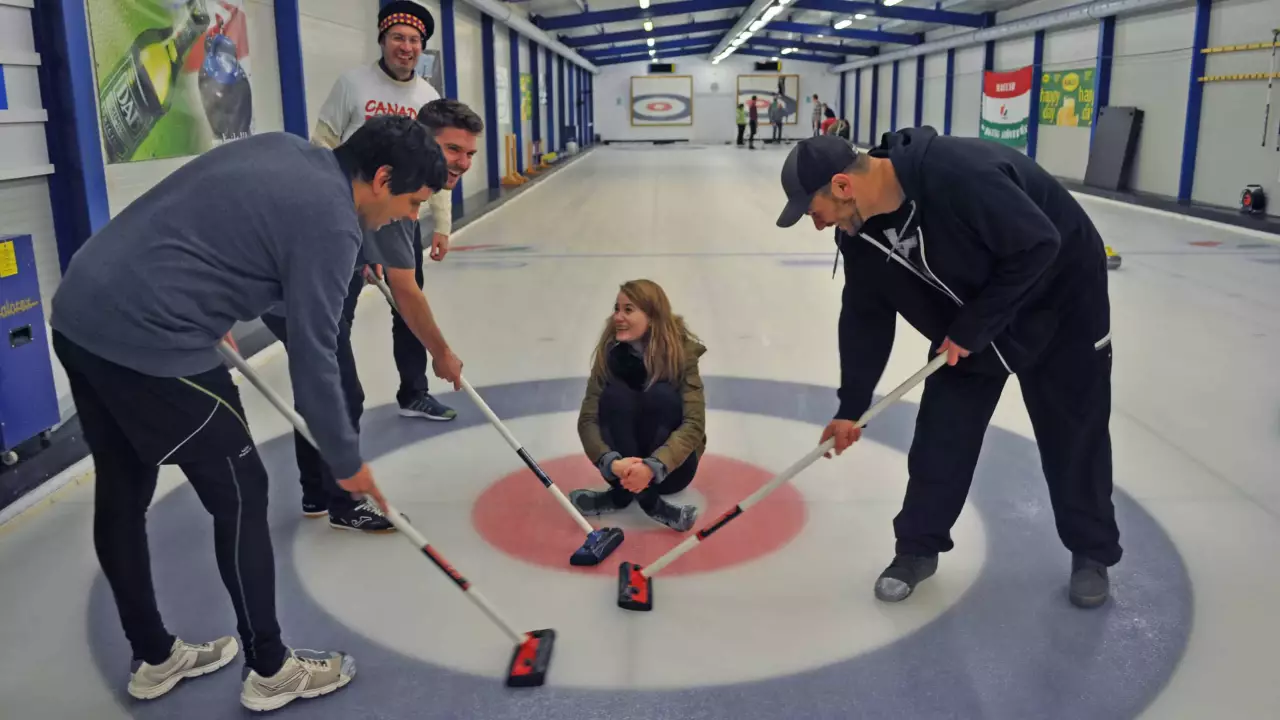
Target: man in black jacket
[{"x": 988, "y": 256}]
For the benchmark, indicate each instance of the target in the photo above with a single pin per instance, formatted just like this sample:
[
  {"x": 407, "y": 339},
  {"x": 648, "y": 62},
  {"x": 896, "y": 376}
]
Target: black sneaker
[
  {"x": 677, "y": 517},
  {"x": 1090, "y": 586},
  {"x": 594, "y": 502},
  {"x": 899, "y": 580},
  {"x": 315, "y": 507},
  {"x": 426, "y": 406},
  {"x": 365, "y": 517}
]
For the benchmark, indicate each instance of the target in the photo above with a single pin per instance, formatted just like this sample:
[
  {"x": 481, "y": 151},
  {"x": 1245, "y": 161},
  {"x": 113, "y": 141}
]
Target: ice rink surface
[{"x": 774, "y": 617}]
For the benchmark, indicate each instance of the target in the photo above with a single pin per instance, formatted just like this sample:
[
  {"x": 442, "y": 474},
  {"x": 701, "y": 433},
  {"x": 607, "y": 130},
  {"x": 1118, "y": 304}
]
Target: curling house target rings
[
  {"x": 660, "y": 107},
  {"x": 1014, "y": 619},
  {"x": 516, "y": 507}
]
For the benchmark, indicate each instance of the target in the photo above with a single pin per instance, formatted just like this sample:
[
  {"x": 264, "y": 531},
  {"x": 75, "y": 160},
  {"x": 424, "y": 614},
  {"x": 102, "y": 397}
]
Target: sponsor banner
[
  {"x": 173, "y": 77},
  {"x": 1066, "y": 97},
  {"x": 1006, "y": 106}
]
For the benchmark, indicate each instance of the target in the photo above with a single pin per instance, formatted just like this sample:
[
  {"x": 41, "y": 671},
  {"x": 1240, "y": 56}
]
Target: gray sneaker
[
  {"x": 305, "y": 674},
  {"x": 899, "y": 580},
  {"x": 1090, "y": 585},
  {"x": 185, "y": 660}
]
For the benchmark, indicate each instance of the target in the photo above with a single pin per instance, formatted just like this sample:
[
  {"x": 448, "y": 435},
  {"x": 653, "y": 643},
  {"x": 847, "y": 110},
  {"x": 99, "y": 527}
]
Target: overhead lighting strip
[{"x": 769, "y": 13}]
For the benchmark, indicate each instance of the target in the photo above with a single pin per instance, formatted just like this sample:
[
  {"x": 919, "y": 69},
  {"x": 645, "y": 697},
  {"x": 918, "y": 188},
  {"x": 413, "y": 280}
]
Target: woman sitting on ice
[{"x": 642, "y": 421}]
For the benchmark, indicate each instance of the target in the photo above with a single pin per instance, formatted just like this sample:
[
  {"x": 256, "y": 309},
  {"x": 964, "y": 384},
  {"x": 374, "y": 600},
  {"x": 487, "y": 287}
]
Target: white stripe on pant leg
[
  {"x": 167, "y": 455},
  {"x": 248, "y": 617},
  {"x": 1106, "y": 340}
]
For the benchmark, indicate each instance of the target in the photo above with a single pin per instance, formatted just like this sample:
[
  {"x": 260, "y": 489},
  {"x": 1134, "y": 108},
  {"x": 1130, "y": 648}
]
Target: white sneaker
[
  {"x": 149, "y": 682},
  {"x": 305, "y": 674}
]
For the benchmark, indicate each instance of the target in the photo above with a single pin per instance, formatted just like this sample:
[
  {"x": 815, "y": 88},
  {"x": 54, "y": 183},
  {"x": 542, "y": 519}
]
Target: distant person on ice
[
  {"x": 643, "y": 418},
  {"x": 988, "y": 256}
]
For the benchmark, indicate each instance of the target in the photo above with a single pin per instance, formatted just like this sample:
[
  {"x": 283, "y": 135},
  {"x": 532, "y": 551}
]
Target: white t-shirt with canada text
[{"x": 367, "y": 91}]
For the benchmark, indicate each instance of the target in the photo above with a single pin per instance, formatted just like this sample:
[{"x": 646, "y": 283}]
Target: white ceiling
[{"x": 557, "y": 8}]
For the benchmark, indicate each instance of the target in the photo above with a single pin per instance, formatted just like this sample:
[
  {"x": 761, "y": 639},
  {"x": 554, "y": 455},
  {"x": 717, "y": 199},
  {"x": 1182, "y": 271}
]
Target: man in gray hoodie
[{"x": 267, "y": 222}]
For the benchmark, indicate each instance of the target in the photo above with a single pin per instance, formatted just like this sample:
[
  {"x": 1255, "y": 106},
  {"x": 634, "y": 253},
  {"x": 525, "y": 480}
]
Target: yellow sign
[
  {"x": 8, "y": 261},
  {"x": 1066, "y": 97}
]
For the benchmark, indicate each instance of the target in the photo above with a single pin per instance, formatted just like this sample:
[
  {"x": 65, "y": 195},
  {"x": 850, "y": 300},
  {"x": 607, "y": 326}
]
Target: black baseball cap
[{"x": 809, "y": 168}]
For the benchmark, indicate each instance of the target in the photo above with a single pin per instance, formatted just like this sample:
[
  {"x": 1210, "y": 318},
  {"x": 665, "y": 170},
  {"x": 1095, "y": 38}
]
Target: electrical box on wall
[
  {"x": 28, "y": 400},
  {"x": 769, "y": 66},
  {"x": 662, "y": 67}
]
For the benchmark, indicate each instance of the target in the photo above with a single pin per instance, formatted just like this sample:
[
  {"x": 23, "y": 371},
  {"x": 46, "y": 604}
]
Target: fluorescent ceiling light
[
  {"x": 650, "y": 42},
  {"x": 860, "y": 16},
  {"x": 774, "y": 58},
  {"x": 648, "y": 25},
  {"x": 844, "y": 24},
  {"x": 788, "y": 51},
  {"x": 772, "y": 12},
  {"x": 746, "y": 35},
  {"x": 736, "y": 42},
  {"x": 891, "y": 3},
  {"x": 644, "y": 4},
  {"x": 653, "y": 53},
  {"x": 757, "y": 25}
]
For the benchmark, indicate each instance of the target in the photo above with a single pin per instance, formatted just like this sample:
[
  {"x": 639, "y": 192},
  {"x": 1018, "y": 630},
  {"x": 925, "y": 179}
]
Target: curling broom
[
  {"x": 532, "y": 654},
  {"x": 635, "y": 583},
  {"x": 599, "y": 543}
]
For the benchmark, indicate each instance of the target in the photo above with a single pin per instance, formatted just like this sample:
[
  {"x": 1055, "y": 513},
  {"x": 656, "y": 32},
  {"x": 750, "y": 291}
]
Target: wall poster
[
  {"x": 173, "y": 77},
  {"x": 767, "y": 87},
  {"x": 1006, "y": 106},
  {"x": 1066, "y": 97},
  {"x": 661, "y": 100}
]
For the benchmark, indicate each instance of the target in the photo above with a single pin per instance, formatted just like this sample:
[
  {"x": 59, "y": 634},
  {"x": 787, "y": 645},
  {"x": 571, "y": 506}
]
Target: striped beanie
[{"x": 406, "y": 12}]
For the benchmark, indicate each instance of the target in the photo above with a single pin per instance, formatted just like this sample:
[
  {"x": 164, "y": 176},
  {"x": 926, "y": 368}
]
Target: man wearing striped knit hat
[
  {"x": 388, "y": 86},
  {"x": 391, "y": 86}
]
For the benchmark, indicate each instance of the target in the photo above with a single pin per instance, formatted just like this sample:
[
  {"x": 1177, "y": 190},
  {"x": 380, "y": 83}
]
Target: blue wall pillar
[
  {"x": 919, "y": 118},
  {"x": 293, "y": 84},
  {"x": 517, "y": 119},
  {"x": 449, "y": 57},
  {"x": 893, "y": 101},
  {"x": 490, "y": 101},
  {"x": 1195, "y": 94},
  {"x": 1102, "y": 76},
  {"x": 535, "y": 124},
  {"x": 552, "y": 113},
  {"x": 562, "y": 106},
  {"x": 946, "y": 102},
  {"x": 842, "y": 97},
  {"x": 875, "y": 102},
  {"x": 857, "y": 105},
  {"x": 1033, "y": 119},
  {"x": 78, "y": 187}
]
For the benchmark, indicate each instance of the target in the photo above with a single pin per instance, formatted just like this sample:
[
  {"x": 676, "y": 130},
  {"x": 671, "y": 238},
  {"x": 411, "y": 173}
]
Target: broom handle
[
  {"x": 410, "y": 532},
  {"x": 506, "y": 434},
  {"x": 795, "y": 469}
]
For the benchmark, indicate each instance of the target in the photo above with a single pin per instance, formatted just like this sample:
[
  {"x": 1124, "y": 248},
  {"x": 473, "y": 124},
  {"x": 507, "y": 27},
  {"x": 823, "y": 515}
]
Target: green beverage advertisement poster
[
  {"x": 173, "y": 76},
  {"x": 1066, "y": 97}
]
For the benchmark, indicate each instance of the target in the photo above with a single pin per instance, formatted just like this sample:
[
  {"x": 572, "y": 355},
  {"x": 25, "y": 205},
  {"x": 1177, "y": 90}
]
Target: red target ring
[
  {"x": 519, "y": 517},
  {"x": 659, "y": 106}
]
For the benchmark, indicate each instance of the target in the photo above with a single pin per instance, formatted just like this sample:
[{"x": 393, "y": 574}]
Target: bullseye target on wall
[
  {"x": 664, "y": 100},
  {"x": 765, "y": 89}
]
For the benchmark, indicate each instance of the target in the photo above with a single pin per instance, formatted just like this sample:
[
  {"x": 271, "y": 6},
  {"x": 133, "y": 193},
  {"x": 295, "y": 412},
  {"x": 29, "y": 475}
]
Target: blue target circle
[{"x": 1011, "y": 647}]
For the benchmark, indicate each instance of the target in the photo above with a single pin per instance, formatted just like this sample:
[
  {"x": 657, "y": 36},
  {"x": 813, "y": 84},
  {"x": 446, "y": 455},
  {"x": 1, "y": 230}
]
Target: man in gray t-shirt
[
  {"x": 390, "y": 252},
  {"x": 390, "y": 246}
]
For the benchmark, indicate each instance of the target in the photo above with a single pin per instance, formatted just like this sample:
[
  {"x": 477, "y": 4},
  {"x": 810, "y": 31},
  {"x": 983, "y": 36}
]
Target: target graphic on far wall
[
  {"x": 662, "y": 100},
  {"x": 767, "y": 87}
]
